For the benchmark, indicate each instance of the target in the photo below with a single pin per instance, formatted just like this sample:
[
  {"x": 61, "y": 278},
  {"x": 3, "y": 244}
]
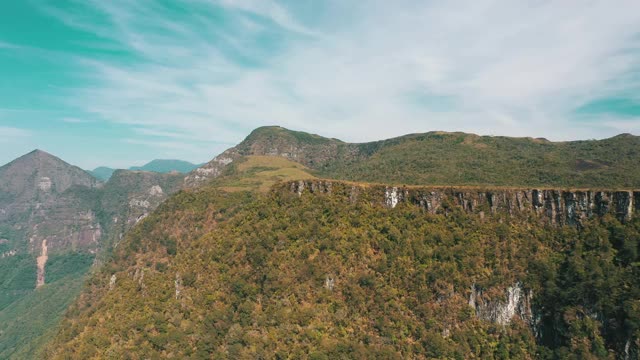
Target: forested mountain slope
[{"x": 325, "y": 269}]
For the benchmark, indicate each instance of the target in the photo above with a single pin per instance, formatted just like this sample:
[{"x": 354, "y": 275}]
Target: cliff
[{"x": 555, "y": 206}]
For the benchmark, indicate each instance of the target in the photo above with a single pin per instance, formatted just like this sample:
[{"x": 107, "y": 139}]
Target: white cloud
[{"x": 510, "y": 68}]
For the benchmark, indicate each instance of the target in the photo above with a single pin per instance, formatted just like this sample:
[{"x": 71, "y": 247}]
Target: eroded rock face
[
  {"x": 516, "y": 303},
  {"x": 64, "y": 227},
  {"x": 559, "y": 207},
  {"x": 45, "y": 184},
  {"x": 41, "y": 263}
]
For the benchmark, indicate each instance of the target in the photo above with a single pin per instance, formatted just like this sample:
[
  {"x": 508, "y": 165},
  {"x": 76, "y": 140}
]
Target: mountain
[
  {"x": 56, "y": 221},
  {"x": 47, "y": 227},
  {"x": 292, "y": 245},
  {"x": 440, "y": 158},
  {"x": 167, "y": 166},
  {"x": 38, "y": 174},
  {"x": 102, "y": 173},
  {"x": 38, "y": 189}
]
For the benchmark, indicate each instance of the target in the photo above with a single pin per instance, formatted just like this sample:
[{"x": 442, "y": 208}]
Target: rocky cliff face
[
  {"x": 130, "y": 196},
  {"x": 212, "y": 169},
  {"x": 515, "y": 304},
  {"x": 42, "y": 197},
  {"x": 554, "y": 206}
]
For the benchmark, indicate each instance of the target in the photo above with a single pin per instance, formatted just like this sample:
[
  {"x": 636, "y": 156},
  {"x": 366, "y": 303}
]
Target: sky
[{"x": 120, "y": 82}]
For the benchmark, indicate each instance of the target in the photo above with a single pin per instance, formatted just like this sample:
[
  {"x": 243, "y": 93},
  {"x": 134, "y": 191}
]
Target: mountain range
[
  {"x": 103, "y": 173},
  {"x": 435, "y": 245}
]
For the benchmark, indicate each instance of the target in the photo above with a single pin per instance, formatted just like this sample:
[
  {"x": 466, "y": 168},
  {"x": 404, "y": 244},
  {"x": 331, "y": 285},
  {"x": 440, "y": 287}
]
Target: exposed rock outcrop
[
  {"x": 112, "y": 282},
  {"x": 212, "y": 169},
  {"x": 178, "y": 285}
]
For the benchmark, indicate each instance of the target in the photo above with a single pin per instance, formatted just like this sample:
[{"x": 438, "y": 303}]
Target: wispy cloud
[
  {"x": 270, "y": 10},
  {"x": 71, "y": 120},
  {"x": 8, "y": 133},
  {"x": 212, "y": 73}
]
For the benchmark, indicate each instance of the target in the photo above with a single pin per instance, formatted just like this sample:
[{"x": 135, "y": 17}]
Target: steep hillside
[
  {"x": 54, "y": 220},
  {"x": 439, "y": 158},
  {"x": 129, "y": 196},
  {"x": 325, "y": 269}
]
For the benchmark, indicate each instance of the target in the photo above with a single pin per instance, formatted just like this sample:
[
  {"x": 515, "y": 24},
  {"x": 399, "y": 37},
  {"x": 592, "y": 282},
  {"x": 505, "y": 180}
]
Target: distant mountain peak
[
  {"x": 39, "y": 154},
  {"x": 163, "y": 166},
  {"x": 38, "y": 151},
  {"x": 166, "y": 166},
  {"x": 281, "y": 133}
]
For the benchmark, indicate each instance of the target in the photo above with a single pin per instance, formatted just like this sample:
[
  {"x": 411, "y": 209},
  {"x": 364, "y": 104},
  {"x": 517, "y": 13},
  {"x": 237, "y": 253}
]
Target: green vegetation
[
  {"x": 274, "y": 275},
  {"x": 455, "y": 159},
  {"x": 280, "y": 134},
  {"x": 70, "y": 264},
  {"x": 17, "y": 278},
  {"x": 260, "y": 173},
  {"x": 28, "y": 319},
  {"x": 464, "y": 159}
]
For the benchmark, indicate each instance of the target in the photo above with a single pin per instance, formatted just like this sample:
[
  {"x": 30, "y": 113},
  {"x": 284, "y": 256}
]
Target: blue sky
[{"x": 120, "y": 83}]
